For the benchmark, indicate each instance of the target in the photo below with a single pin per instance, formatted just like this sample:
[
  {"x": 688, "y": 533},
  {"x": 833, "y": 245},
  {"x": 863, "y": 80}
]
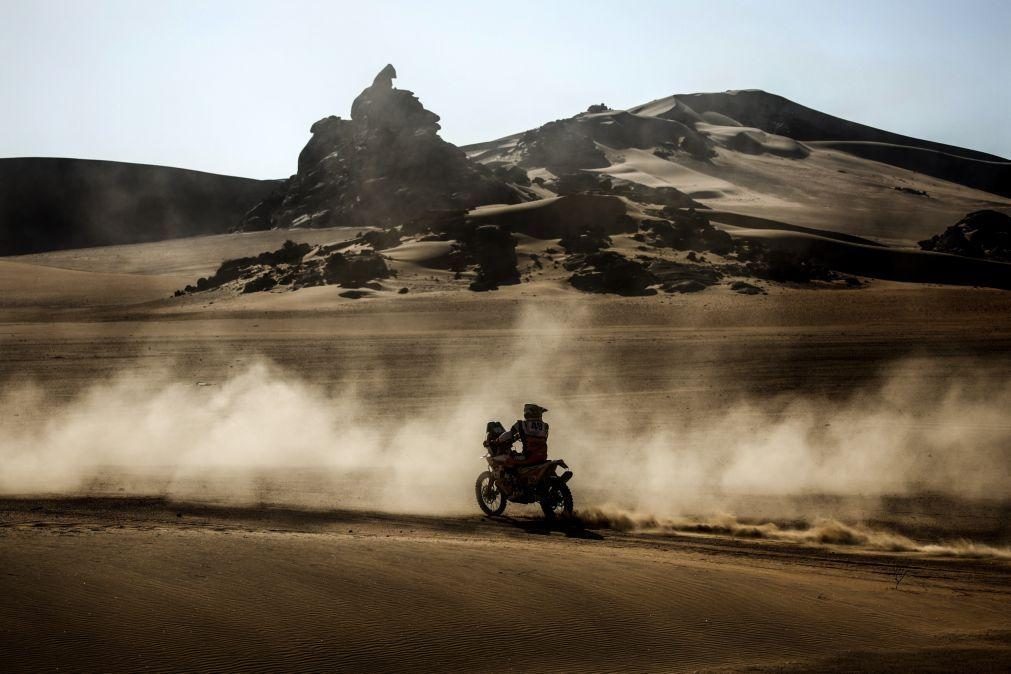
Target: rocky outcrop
[
  {"x": 384, "y": 166},
  {"x": 573, "y": 144},
  {"x": 493, "y": 250},
  {"x": 676, "y": 277},
  {"x": 686, "y": 230},
  {"x": 610, "y": 272},
  {"x": 984, "y": 234},
  {"x": 296, "y": 265}
]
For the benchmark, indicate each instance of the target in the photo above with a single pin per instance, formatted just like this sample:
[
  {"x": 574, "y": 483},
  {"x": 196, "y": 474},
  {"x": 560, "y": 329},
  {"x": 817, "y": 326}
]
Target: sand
[
  {"x": 297, "y": 570},
  {"x": 123, "y": 585}
]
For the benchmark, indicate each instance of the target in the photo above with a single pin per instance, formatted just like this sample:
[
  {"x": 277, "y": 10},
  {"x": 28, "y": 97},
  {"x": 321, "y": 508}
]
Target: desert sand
[
  {"x": 128, "y": 584},
  {"x": 787, "y": 423},
  {"x": 168, "y": 567}
]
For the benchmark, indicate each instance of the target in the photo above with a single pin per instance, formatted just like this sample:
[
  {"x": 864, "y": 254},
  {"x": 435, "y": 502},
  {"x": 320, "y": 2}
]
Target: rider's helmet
[{"x": 532, "y": 411}]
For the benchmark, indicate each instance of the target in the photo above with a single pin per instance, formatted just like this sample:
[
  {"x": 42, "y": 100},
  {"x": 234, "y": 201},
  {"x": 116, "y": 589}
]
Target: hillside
[
  {"x": 775, "y": 114},
  {"x": 761, "y": 155},
  {"x": 54, "y": 204},
  {"x": 769, "y": 189}
]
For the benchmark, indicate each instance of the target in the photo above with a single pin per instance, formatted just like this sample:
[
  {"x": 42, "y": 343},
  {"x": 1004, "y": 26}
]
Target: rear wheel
[
  {"x": 558, "y": 501},
  {"x": 489, "y": 496}
]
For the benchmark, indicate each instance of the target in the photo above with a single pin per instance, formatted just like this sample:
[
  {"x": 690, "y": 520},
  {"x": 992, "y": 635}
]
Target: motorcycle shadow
[{"x": 572, "y": 527}]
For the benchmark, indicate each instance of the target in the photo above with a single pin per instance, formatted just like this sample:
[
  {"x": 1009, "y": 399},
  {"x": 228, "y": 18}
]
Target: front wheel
[
  {"x": 489, "y": 496},
  {"x": 558, "y": 500}
]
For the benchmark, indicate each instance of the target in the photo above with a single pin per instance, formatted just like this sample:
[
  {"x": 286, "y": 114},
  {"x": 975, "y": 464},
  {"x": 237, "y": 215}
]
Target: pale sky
[{"x": 233, "y": 87}]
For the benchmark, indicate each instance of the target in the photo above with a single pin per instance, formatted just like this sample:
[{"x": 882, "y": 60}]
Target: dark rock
[
  {"x": 746, "y": 288},
  {"x": 787, "y": 266},
  {"x": 683, "y": 278},
  {"x": 402, "y": 291},
  {"x": 511, "y": 174},
  {"x": 697, "y": 147},
  {"x": 383, "y": 167},
  {"x": 589, "y": 242},
  {"x": 688, "y": 230},
  {"x": 570, "y": 145},
  {"x": 666, "y": 150},
  {"x": 562, "y": 147},
  {"x": 662, "y": 196},
  {"x": 288, "y": 266},
  {"x": 983, "y": 234},
  {"x": 308, "y": 276},
  {"x": 599, "y": 107},
  {"x": 354, "y": 294},
  {"x": 384, "y": 80},
  {"x": 582, "y": 182},
  {"x": 259, "y": 217},
  {"x": 382, "y": 239},
  {"x": 686, "y": 286},
  {"x": 611, "y": 272},
  {"x": 327, "y": 133},
  {"x": 354, "y": 271},
  {"x": 290, "y": 253},
  {"x": 439, "y": 223},
  {"x": 494, "y": 251},
  {"x": 262, "y": 282}
]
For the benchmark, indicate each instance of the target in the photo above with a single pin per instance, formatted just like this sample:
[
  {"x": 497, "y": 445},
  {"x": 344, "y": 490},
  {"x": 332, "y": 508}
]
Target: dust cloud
[
  {"x": 268, "y": 435},
  {"x": 818, "y": 530}
]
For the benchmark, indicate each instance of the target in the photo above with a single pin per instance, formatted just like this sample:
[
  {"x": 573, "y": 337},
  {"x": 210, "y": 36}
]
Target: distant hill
[
  {"x": 54, "y": 204},
  {"x": 758, "y": 154},
  {"x": 775, "y": 114},
  {"x": 781, "y": 116}
]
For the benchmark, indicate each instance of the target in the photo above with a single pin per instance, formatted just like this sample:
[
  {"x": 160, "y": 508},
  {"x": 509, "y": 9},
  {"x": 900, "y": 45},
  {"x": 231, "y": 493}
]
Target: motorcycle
[{"x": 537, "y": 483}]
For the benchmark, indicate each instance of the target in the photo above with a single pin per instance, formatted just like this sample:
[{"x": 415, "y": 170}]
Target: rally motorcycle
[{"x": 537, "y": 483}]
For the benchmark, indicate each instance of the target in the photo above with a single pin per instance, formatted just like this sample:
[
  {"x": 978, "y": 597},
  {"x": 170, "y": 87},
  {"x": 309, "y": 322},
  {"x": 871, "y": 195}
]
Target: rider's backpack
[{"x": 493, "y": 430}]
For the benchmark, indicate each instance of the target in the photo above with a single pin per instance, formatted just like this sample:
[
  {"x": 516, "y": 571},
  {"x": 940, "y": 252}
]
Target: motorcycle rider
[{"x": 532, "y": 432}]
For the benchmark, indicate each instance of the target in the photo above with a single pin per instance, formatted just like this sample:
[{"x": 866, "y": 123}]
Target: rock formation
[
  {"x": 298, "y": 265},
  {"x": 610, "y": 272},
  {"x": 384, "y": 166},
  {"x": 686, "y": 230},
  {"x": 984, "y": 234}
]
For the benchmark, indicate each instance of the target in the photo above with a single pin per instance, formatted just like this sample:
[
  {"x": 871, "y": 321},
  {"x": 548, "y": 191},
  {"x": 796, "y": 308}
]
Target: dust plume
[
  {"x": 267, "y": 435},
  {"x": 819, "y": 531}
]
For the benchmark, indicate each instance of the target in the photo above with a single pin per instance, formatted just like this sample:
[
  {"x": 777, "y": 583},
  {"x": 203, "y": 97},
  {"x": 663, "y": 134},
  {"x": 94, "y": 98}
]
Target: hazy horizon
[{"x": 233, "y": 87}]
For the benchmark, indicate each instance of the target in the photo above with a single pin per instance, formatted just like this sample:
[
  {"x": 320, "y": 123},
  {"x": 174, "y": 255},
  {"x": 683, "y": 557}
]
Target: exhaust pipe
[{"x": 566, "y": 476}]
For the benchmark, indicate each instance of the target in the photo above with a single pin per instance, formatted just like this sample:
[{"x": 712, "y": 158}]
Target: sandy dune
[
  {"x": 58, "y": 203},
  {"x": 130, "y": 584}
]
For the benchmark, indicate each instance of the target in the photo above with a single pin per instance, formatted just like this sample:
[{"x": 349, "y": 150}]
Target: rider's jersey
[{"x": 533, "y": 433}]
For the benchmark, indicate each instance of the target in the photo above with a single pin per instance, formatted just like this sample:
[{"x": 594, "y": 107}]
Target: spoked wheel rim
[{"x": 489, "y": 497}]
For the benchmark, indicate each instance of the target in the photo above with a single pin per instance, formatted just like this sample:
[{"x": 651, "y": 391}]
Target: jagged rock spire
[
  {"x": 385, "y": 77},
  {"x": 382, "y": 106},
  {"x": 384, "y": 166}
]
